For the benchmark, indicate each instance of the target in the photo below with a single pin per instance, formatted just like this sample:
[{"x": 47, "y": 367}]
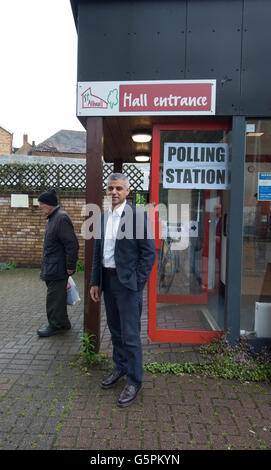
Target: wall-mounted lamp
[
  {"x": 142, "y": 158},
  {"x": 251, "y": 131},
  {"x": 141, "y": 136}
]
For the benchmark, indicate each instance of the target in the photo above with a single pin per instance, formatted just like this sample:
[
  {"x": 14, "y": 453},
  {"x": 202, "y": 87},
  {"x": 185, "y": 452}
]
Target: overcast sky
[{"x": 38, "y": 69}]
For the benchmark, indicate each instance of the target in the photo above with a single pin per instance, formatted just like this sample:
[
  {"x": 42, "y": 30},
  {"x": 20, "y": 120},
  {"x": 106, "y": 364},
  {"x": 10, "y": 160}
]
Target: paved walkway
[{"x": 47, "y": 402}]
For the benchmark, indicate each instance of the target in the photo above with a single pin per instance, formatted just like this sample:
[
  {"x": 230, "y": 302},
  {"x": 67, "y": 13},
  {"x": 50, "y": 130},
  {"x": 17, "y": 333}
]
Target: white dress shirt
[{"x": 111, "y": 231}]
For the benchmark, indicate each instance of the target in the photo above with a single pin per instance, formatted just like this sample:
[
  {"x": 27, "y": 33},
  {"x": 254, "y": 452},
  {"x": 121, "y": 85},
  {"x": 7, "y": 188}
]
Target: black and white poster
[{"x": 193, "y": 165}]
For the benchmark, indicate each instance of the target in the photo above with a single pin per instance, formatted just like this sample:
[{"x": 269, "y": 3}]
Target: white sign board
[
  {"x": 19, "y": 200},
  {"x": 193, "y": 165},
  {"x": 176, "y": 230}
]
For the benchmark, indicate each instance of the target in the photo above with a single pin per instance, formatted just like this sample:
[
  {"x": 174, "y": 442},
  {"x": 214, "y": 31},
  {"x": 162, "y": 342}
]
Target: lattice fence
[
  {"x": 135, "y": 174},
  {"x": 69, "y": 177}
]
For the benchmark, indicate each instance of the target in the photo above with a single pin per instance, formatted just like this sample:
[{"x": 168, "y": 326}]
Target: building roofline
[
  {"x": 5, "y": 129},
  {"x": 74, "y": 7}
]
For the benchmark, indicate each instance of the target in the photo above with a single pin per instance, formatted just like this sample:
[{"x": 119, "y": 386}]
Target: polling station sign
[{"x": 196, "y": 165}]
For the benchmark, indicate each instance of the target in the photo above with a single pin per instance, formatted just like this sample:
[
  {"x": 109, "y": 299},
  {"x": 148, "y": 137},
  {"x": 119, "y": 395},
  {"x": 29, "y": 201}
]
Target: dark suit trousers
[
  {"x": 123, "y": 311},
  {"x": 56, "y": 303}
]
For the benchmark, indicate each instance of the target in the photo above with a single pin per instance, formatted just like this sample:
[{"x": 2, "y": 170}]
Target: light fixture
[
  {"x": 141, "y": 136},
  {"x": 254, "y": 134},
  {"x": 142, "y": 157}
]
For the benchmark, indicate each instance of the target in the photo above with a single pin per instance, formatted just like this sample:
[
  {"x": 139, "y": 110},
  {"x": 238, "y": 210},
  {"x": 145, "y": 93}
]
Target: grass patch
[
  {"x": 6, "y": 266},
  {"x": 80, "y": 266},
  {"x": 221, "y": 359}
]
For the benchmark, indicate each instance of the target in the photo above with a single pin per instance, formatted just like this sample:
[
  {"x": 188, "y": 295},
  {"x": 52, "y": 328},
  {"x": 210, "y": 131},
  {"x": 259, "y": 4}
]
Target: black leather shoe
[
  {"x": 112, "y": 379},
  {"x": 128, "y": 395},
  {"x": 50, "y": 331}
]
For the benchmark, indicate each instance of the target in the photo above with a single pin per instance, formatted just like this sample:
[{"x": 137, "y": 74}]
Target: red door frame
[{"x": 169, "y": 335}]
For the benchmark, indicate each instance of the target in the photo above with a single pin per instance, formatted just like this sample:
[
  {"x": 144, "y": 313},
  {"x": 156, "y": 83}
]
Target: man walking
[
  {"x": 60, "y": 254},
  {"x": 123, "y": 259}
]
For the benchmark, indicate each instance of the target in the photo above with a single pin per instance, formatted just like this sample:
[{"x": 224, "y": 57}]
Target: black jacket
[{"x": 60, "y": 248}]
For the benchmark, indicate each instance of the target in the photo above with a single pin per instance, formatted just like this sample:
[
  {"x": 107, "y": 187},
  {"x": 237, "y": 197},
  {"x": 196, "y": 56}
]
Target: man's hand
[{"x": 94, "y": 293}]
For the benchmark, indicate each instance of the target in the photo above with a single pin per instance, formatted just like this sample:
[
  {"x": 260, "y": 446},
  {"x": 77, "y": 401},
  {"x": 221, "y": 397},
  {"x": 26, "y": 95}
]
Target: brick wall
[
  {"x": 5, "y": 141},
  {"x": 22, "y": 229}
]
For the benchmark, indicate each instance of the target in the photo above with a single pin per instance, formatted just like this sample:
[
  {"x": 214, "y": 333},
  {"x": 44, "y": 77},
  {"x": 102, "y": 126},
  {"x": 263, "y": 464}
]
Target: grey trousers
[{"x": 56, "y": 303}]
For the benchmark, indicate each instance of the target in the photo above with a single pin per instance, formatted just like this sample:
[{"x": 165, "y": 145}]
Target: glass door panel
[
  {"x": 187, "y": 285},
  {"x": 256, "y": 270}
]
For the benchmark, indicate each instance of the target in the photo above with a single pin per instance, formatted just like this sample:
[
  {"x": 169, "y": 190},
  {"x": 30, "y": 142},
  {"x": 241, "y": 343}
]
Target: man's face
[
  {"x": 45, "y": 209},
  {"x": 118, "y": 191}
]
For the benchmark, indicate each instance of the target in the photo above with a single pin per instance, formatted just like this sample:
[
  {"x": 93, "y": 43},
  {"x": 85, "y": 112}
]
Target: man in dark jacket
[
  {"x": 123, "y": 259},
  {"x": 60, "y": 254}
]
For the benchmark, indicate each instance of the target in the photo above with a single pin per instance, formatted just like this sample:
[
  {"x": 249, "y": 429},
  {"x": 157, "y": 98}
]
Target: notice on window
[
  {"x": 264, "y": 186},
  {"x": 193, "y": 165}
]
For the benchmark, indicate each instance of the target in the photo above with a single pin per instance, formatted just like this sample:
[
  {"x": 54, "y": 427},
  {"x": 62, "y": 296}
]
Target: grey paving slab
[{"x": 48, "y": 403}]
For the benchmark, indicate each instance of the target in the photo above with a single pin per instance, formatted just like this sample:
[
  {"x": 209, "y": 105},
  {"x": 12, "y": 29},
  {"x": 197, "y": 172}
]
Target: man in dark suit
[{"x": 123, "y": 259}]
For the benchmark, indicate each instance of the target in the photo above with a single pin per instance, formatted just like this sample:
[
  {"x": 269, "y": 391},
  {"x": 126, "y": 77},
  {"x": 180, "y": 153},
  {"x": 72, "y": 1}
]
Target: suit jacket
[{"x": 134, "y": 250}]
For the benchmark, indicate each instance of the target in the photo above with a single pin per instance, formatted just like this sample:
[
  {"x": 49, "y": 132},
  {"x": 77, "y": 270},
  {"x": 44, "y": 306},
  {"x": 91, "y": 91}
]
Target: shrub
[{"x": 221, "y": 359}]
